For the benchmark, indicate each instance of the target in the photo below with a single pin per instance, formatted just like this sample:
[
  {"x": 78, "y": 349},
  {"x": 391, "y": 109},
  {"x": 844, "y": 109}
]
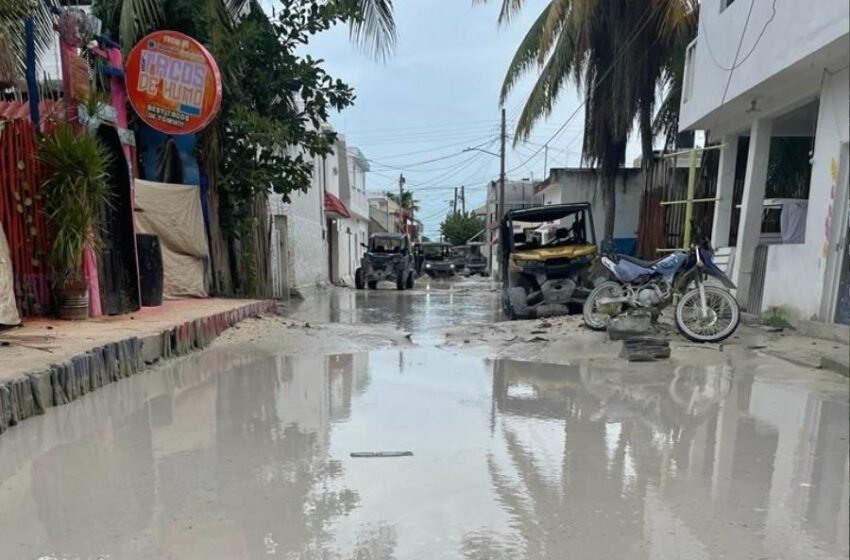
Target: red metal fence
[{"x": 21, "y": 215}]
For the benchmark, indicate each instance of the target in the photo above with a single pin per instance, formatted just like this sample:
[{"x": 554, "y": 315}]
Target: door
[{"x": 836, "y": 299}]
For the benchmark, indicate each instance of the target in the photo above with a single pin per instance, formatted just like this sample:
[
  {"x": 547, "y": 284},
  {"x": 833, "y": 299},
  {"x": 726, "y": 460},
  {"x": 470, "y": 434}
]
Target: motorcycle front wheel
[
  {"x": 596, "y": 316},
  {"x": 720, "y": 320}
]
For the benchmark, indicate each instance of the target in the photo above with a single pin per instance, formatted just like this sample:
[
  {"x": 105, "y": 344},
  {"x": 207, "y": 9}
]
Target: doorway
[{"x": 333, "y": 250}]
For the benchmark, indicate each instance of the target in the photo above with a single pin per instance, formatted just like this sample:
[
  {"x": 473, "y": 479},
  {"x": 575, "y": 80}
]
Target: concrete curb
[{"x": 33, "y": 392}]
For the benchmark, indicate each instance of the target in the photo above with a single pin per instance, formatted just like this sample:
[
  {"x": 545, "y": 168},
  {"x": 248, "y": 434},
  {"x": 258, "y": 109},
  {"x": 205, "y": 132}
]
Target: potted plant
[{"x": 74, "y": 195}]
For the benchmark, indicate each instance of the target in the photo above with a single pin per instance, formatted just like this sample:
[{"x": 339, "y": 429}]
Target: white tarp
[
  {"x": 173, "y": 213},
  {"x": 8, "y": 309},
  {"x": 792, "y": 221}
]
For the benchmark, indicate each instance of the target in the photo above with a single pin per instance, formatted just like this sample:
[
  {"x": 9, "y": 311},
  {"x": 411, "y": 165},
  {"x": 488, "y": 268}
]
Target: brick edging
[{"x": 60, "y": 383}]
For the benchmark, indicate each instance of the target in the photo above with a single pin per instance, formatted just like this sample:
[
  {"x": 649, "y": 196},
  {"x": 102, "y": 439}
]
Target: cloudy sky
[{"x": 437, "y": 95}]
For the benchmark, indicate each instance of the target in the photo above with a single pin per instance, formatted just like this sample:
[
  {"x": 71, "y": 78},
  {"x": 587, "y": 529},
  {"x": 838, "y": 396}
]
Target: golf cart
[
  {"x": 435, "y": 260},
  {"x": 548, "y": 254},
  {"x": 387, "y": 258},
  {"x": 474, "y": 261}
]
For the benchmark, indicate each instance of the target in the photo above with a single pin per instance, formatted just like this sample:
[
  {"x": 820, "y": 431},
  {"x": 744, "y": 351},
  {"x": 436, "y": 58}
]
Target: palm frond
[
  {"x": 12, "y": 14},
  {"x": 374, "y": 29},
  {"x": 558, "y": 12},
  {"x": 509, "y": 8},
  {"x": 545, "y": 92},
  {"x": 137, "y": 18},
  {"x": 526, "y": 55}
]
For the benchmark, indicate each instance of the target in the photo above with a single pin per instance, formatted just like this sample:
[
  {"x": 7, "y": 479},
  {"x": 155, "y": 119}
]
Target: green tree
[
  {"x": 458, "y": 228},
  {"x": 407, "y": 200},
  {"x": 618, "y": 53}
]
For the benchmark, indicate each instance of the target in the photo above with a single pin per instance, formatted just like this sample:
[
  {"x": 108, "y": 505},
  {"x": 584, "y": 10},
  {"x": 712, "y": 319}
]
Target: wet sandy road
[
  {"x": 430, "y": 305},
  {"x": 246, "y": 455}
]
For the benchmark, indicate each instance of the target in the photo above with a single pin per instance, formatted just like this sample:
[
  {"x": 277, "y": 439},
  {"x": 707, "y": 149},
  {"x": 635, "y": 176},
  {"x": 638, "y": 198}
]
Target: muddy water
[
  {"x": 240, "y": 455},
  {"x": 431, "y": 304}
]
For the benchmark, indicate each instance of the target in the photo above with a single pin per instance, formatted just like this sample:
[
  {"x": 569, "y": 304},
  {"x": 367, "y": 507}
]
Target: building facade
[
  {"x": 572, "y": 185},
  {"x": 788, "y": 79}
]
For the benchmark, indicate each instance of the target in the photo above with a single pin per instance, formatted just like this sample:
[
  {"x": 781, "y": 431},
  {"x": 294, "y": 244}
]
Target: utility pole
[
  {"x": 545, "y": 162},
  {"x": 463, "y": 200},
  {"x": 454, "y": 203},
  {"x": 501, "y": 211},
  {"x": 400, "y": 199}
]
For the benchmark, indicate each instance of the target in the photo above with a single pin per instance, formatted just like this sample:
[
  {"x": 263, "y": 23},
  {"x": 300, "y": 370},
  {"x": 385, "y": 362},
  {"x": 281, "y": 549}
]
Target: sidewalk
[{"x": 49, "y": 362}]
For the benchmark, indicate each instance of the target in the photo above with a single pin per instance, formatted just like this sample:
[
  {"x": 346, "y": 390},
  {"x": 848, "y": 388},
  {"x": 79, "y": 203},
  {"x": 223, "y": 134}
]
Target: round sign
[{"x": 172, "y": 82}]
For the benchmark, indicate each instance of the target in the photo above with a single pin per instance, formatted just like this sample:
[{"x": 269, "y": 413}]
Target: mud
[{"x": 524, "y": 440}]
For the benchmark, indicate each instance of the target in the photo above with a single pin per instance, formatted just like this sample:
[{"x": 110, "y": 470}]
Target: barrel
[
  {"x": 74, "y": 305},
  {"x": 150, "y": 269}
]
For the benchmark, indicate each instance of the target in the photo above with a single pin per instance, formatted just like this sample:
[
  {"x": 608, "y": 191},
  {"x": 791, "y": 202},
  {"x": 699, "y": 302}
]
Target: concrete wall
[
  {"x": 797, "y": 39},
  {"x": 582, "y": 185},
  {"x": 796, "y": 273},
  {"x": 307, "y": 250}
]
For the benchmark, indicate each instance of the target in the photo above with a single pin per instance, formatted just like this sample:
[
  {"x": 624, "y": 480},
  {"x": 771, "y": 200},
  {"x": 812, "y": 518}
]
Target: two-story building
[{"x": 760, "y": 71}]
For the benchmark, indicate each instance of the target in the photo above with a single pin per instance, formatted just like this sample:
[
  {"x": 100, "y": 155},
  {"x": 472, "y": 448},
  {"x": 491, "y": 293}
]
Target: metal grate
[{"x": 756, "y": 293}]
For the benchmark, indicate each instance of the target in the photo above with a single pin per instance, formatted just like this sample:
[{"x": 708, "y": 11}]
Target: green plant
[
  {"x": 776, "y": 317},
  {"x": 74, "y": 194},
  {"x": 458, "y": 228}
]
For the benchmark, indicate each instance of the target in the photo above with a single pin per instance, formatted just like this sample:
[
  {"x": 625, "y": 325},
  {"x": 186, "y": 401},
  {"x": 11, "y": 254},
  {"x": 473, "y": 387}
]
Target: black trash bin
[{"x": 151, "y": 274}]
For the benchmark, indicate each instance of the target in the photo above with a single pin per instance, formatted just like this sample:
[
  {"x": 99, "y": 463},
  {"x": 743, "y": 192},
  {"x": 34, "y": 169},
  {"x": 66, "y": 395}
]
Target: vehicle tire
[
  {"x": 516, "y": 304},
  {"x": 359, "y": 281},
  {"x": 372, "y": 284},
  {"x": 411, "y": 281},
  {"x": 724, "y": 315},
  {"x": 592, "y": 317},
  {"x": 399, "y": 282}
]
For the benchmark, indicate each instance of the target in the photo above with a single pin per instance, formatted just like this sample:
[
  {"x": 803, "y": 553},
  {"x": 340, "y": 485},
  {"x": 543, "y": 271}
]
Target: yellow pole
[{"x": 689, "y": 206}]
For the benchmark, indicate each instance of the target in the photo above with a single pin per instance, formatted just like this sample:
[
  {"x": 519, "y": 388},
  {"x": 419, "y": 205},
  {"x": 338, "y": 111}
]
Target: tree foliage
[
  {"x": 406, "y": 201},
  {"x": 618, "y": 53},
  {"x": 458, "y": 228}
]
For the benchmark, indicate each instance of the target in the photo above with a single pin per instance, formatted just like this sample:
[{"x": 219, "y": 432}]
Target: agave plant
[{"x": 75, "y": 192}]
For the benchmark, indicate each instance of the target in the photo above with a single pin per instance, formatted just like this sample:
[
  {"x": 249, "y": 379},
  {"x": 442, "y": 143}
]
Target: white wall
[
  {"x": 307, "y": 251},
  {"x": 798, "y": 40},
  {"x": 795, "y": 273},
  {"x": 582, "y": 185}
]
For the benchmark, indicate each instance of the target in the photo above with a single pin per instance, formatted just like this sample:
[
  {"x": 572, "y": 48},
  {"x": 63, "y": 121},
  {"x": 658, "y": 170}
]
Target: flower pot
[{"x": 73, "y": 301}]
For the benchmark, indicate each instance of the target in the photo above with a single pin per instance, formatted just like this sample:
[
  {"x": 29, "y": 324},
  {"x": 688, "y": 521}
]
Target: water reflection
[
  {"x": 229, "y": 455},
  {"x": 419, "y": 310}
]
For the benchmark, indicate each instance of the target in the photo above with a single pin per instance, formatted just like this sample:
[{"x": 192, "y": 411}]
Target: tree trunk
[
  {"x": 646, "y": 136},
  {"x": 610, "y": 197}
]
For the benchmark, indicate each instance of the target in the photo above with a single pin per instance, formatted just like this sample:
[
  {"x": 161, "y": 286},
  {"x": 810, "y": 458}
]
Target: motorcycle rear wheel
[
  {"x": 595, "y": 317},
  {"x": 722, "y": 320}
]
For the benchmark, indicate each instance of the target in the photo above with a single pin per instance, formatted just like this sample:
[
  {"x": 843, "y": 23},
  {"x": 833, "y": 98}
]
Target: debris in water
[{"x": 380, "y": 454}]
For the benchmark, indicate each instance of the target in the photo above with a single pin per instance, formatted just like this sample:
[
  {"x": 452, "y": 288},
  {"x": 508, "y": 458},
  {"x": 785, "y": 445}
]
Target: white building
[
  {"x": 320, "y": 231},
  {"x": 781, "y": 70},
  {"x": 570, "y": 185}
]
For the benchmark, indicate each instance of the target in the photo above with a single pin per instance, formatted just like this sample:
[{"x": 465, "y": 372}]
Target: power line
[
  {"x": 735, "y": 62},
  {"x": 408, "y": 166}
]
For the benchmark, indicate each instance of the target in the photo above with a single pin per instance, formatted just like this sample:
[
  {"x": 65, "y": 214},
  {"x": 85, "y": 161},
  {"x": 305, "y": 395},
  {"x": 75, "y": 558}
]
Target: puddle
[
  {"x": 420, "y": 309},
  {"x": 234, "y": 455}
]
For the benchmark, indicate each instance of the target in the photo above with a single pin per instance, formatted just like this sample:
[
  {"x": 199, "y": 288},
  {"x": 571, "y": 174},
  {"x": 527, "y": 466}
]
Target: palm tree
[
  {"x": 618, "y": 52},
  {"x": 407, "y": 200},
  {"x": 12, "y": 51}
]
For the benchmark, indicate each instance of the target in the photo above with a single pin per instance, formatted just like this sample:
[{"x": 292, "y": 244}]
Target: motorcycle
[{"x": 704, "y": 313}]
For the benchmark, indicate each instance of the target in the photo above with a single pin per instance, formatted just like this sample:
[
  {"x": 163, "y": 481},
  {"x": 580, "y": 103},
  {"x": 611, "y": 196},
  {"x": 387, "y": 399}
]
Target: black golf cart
[
  {"x": 389, "y": 258},
  {"x": 435, "y": 260}
]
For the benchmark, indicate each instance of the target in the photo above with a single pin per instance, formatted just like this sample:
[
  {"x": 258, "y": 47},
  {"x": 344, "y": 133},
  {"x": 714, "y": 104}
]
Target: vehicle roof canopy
[{"x": 545, "y": 213}]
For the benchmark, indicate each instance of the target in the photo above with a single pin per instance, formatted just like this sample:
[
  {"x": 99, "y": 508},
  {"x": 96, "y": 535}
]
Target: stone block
[
  {"x": 628, "y": 326},
  {"x": 645, "y": 349},
  {"x": 42, "y": 391}
]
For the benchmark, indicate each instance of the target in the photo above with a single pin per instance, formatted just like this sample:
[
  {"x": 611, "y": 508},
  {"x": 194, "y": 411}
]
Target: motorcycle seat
[{"x": 639, "y": 262}]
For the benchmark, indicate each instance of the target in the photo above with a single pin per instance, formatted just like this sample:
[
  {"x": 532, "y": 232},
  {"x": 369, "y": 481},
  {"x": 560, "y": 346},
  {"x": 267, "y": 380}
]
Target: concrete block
[
  {"x": 151, "y": 348},
  {"x": 645, "y": 349},
  {"x": 58, "y": 381},
  {"x": 627, "y": 326},
  {"x": 42, "y": 391},
  {"x": 5, "y": 407}
]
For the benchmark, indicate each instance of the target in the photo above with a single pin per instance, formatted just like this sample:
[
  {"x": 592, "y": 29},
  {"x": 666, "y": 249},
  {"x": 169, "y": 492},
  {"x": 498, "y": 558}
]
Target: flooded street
[{"x": 243, "y": 451}]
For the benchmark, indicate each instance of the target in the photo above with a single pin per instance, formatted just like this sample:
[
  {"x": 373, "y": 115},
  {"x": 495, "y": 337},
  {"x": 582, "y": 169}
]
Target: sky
[{"x": 439, "y": 94}]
